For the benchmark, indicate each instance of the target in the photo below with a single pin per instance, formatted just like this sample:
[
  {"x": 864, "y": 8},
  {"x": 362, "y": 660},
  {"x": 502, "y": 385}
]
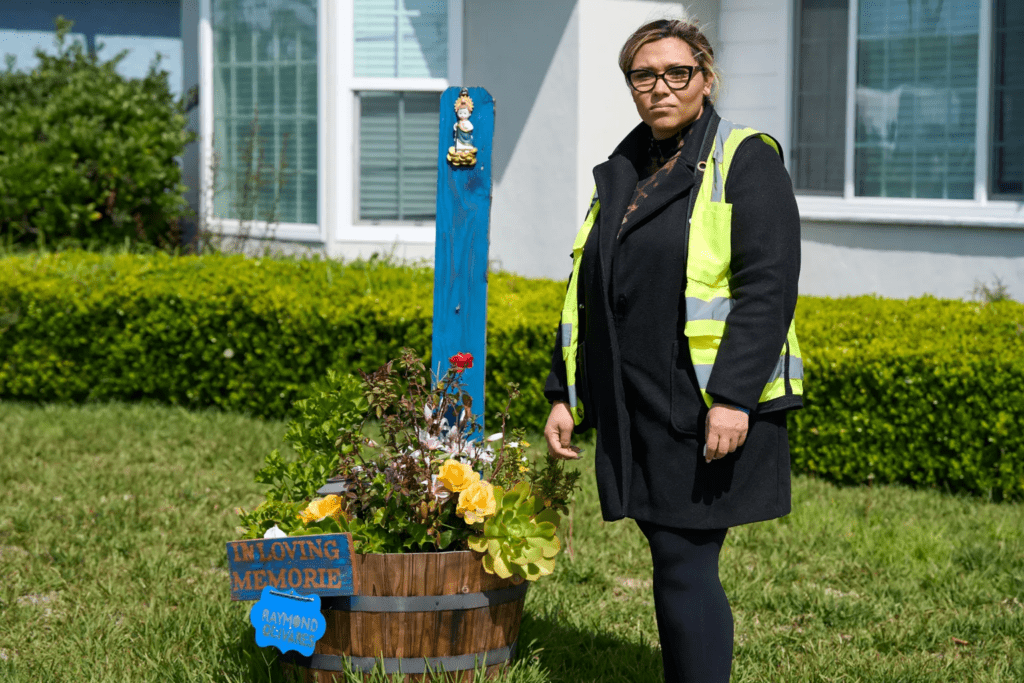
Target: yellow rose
[
  {"x": 457, "y": 477},
  {"x": 476, "y": 503},
  {"x": 321, "y": 508}
]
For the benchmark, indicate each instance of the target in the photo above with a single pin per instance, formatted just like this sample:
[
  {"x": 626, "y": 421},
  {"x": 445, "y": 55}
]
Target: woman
[{"x": 676, "y": 340}]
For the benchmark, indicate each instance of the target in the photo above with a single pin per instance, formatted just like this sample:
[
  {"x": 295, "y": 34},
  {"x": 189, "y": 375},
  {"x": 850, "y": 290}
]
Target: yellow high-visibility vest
[{"x": 708, "y": 297}]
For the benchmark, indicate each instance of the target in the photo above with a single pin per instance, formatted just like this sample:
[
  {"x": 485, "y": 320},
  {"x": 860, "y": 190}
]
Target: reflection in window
[
  {"x": 917, "y": 66},
  {"x": 401, "y": 38},
  {"x": 265, "y": 109},
  {"x": 819, "y": 146},
  {"x": 1008, "y": 100}
]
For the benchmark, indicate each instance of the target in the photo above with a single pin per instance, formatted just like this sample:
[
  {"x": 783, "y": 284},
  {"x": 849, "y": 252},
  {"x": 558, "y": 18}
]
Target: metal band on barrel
[
  {"x": 424, "y": 603},
  {"x": 405, "y": 665}
]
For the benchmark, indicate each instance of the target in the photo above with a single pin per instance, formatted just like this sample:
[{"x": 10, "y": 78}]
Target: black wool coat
[{"x": 638, "y": 384}]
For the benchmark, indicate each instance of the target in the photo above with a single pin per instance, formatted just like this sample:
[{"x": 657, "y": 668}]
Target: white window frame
[
  {"x": 344, "y": 186},
  {"x": 981, "y": 211},
  {"x": 297, "y": 232}
]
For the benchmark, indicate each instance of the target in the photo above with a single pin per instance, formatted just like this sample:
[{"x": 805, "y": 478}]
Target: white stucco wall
[
  {"x": 902, "y": 261},
  {"x": 755, "y": 59},
  {"x": 526, "y": 54},
  {"x": 606, "y": 110}
]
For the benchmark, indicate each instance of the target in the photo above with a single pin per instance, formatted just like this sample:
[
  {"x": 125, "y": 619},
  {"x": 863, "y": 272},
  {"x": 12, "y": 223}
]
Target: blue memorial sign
[
  {"x": 288, "y": 621},
  {"x": 463, "y": 235},
  {"x": 320, "y": 565}
]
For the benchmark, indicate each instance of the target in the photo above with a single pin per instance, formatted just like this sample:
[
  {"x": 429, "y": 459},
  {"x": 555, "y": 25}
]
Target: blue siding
[{"x": 145, "y": 27}]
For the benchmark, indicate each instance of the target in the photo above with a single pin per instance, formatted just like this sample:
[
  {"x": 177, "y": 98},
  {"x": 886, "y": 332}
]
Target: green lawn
[{"x": 113, "y": 520}]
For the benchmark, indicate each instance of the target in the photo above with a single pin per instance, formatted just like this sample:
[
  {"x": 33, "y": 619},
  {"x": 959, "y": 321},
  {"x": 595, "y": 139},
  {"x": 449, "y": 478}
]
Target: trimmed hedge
[
  {"x": 925, "y": 392},
  {"x": 240, "y": 334}
]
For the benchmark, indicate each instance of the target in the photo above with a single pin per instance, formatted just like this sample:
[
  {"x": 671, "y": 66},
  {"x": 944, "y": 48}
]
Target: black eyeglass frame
[{"x": 690, "y": 69}]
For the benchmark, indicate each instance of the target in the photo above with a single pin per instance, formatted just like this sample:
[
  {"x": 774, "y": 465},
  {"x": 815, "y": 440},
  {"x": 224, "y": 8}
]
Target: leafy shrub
[
  {"x": 86, "y": 155},
  {"x": 925, "y": 391}
]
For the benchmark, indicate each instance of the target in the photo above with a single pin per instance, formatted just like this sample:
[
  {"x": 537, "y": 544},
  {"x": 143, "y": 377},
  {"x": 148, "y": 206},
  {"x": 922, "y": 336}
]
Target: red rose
[{"x": 461, "y": 361}]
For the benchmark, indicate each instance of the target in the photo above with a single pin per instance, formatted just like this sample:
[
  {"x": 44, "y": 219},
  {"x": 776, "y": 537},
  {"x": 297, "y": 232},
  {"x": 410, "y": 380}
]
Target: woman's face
[{"x": 665, "y": 110}]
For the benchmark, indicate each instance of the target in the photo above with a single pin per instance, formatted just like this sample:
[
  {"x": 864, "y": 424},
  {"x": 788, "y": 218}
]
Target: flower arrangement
[{"x": 427, "y": 482}]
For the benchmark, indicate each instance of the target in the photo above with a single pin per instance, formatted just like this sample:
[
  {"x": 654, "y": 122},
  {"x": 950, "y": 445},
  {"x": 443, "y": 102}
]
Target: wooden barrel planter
[{"x": 414, "y": 611}]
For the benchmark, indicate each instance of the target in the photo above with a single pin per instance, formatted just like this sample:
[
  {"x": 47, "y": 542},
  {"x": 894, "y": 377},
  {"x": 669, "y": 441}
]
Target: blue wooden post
[{"x": 461, "y": 248}]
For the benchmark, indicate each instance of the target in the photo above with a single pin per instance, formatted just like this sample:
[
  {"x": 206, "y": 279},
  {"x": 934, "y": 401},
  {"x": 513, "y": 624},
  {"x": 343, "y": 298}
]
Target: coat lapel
[
  {"x": 616, "y": 179},
  {"x": 677, "y": 177},
  {"x": 677, "y": 181}
]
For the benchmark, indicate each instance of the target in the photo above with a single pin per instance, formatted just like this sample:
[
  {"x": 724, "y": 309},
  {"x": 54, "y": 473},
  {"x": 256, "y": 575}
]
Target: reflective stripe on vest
[
  {"x": 708, "y": 296},
  {"x": 569, "y": 330}
]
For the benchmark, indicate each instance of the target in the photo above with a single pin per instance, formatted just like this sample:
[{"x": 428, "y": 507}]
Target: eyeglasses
[{"x": 676, "y": 78}]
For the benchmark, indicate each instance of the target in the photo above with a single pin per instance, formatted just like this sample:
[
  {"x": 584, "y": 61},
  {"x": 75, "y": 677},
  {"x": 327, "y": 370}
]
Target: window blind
[
  {"x": 401, "y": 38},
  {"x": 819, "y": 147},
  {"x": 398, "y": 155},
  {"x": 917, "y": 66},
  {"x": 265, "y": 110},
  {"x": 1008, "y": 100}
]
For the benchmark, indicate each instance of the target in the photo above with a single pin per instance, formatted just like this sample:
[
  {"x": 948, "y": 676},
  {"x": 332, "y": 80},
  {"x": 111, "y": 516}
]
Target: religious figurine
[{"x": 463, "y": 153}]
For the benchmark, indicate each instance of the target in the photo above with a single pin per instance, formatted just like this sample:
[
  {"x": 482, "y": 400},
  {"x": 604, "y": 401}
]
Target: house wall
[
  {"x": 561, "y": 107},
  {"x": 901, "y": 261},
  {"x": 755, "y": 52},
  {"x": 527, "y": 56},
  {"x": 606, "y": 110},
  {"x": 938, "y": 248}
]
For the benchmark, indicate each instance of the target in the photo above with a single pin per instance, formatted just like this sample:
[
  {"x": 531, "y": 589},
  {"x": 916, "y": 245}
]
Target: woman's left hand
[{"x": 724, "y": 431}]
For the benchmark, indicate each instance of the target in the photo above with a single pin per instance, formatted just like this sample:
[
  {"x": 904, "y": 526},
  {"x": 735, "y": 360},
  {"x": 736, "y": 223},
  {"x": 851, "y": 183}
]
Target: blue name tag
[{"x": 288, "y": 621}]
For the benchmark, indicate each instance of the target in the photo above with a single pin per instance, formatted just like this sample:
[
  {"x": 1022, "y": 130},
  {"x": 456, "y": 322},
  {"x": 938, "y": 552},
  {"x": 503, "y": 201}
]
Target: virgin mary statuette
[{"x": 462, "y": 153}]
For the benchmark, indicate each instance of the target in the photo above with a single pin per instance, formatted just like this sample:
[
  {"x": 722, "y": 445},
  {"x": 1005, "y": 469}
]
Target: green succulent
[{"x": 519, "y": 539}]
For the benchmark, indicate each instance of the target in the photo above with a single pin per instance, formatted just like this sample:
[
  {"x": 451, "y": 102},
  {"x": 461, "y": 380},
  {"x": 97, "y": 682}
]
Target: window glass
[
  {"x": 917, "y": 65},
  {"x": 819, "y": 146},
  {"x": 1008, "y": 100},
  {"x": 265, "y": 110},
  {"x": 401, "y": 38},
  {"x": 398, "y": 155}
]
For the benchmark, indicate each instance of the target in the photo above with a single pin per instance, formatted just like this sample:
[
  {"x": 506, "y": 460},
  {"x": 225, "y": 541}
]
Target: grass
[{"x": 113, "y": 520}]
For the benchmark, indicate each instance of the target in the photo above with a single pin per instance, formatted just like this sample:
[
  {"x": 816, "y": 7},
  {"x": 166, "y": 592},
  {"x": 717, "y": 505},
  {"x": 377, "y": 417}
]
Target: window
[
  {"x": 397, "y": 155},
  {"x": 1008, "y": 100},
  {"x": 265, "y": 112},
  {"x": 889, "y": 94},
  {"x": 400, "y": 68},
  {"x": 821, "y": 106},
  {"x": 324, "y": 115},
  {"x": 401, "y": 38}
]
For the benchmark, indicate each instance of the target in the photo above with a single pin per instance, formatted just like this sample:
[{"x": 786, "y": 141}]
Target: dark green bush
[
  {"x": 926, "y": 392},
  {"x": 86, "y": 155}
]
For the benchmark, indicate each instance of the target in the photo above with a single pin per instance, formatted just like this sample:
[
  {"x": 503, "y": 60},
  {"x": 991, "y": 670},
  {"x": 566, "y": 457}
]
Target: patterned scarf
[{"x": 662, "y": 156}]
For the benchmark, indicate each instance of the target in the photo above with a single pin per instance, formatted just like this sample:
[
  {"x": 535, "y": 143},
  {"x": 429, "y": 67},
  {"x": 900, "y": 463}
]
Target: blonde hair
[{"x": 688, "y": 31}]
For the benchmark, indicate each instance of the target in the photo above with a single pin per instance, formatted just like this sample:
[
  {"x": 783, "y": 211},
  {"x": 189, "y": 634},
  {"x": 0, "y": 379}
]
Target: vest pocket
[
  {"x": 687, "y": 406},
  {"x": 709, "y": 253}
]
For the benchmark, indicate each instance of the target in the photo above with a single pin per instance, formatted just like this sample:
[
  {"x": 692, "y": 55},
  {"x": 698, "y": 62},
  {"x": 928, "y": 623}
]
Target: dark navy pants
[{"x": 694, "y": 617}]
